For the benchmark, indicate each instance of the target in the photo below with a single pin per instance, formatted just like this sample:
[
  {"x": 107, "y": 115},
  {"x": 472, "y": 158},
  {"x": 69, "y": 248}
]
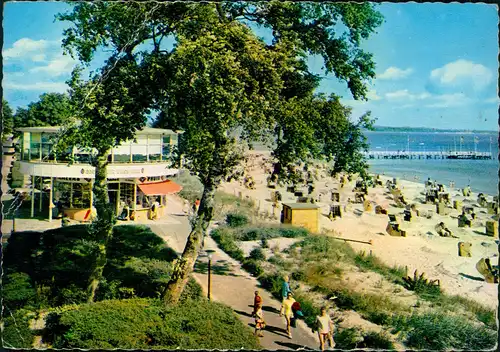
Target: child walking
[{"x": 259, "y": 322}]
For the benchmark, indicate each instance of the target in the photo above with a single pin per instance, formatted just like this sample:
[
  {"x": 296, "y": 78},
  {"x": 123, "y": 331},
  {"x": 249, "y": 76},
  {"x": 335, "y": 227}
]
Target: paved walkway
[{"x": 235, "y": 287}]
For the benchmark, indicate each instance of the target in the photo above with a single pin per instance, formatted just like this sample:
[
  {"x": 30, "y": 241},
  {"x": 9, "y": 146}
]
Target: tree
[
  {"x": 52, "y": 109},
  {"x": 223, "y": 86},
  {"x": 7, "y": 120},
  {"x": 107, "y": 111}
]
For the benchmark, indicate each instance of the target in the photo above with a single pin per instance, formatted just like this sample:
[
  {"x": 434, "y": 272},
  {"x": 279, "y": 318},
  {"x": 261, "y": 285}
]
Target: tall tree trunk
[
  {"x": 184, "y": 265},
  {"x": 102, "y": 227}
]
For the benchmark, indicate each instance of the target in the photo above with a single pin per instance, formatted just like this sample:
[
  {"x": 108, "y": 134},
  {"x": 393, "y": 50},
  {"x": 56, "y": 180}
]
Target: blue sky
[{"x": 436, "y": 63}]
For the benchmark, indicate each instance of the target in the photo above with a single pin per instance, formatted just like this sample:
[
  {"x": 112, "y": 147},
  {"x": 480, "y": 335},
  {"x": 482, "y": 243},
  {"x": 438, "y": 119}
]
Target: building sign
[{"x": 85, "y": 171}]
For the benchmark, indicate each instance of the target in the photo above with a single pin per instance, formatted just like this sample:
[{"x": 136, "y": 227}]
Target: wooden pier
[{"x": 428, "y": 155}]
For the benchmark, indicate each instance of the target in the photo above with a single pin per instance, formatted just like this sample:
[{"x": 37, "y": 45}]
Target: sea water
[{"x": 481, "y": 175}]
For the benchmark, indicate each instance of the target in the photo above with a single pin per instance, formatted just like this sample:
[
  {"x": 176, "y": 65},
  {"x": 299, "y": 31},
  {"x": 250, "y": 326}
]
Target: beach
[{"x": 422, "y": 249}]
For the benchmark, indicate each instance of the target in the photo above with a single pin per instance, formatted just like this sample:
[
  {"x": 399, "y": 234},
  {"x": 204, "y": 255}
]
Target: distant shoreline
[{"x": 424, "y": 129}]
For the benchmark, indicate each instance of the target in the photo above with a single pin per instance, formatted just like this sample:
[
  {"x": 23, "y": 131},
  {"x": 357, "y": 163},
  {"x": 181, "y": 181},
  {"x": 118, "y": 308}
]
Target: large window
[
  {"x": 35, "y": 146},
  {"x": 154, "y": 148}
]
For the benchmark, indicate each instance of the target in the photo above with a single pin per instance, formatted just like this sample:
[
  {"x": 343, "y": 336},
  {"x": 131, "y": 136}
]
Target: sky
[{"x": 436, "y": 64}]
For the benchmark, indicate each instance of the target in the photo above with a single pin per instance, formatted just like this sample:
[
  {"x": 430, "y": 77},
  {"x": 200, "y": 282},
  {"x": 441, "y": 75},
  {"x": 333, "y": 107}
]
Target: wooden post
[
  {"x": 91, "y": 183},
  {"x": 50, "y": 198},
  {"x": 32, "y": 196},
  {"x": 209, "y": 275},
  {"x": 71, "y": 195},
  {"x": 40, "y": 201},
  {"x": 134, "y": 208}
]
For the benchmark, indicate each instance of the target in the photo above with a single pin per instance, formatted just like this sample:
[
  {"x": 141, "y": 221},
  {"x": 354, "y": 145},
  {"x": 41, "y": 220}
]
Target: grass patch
[
  {"x": 373, "y": 263},
  {"x": 148, "y": 324},
  {"x": 226, "y": 240},
  {"x": 437, "y": 331},
  {"x": 353, "y": 338},
  {"x": 236, "y": 220},
  {"x": 266, "y": 233}
]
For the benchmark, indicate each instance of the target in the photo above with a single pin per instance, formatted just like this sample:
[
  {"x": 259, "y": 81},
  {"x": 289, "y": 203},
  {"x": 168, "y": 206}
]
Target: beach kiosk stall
[
  {"x": 140, "y": 175},
  {"x": 302, "y": 215}
]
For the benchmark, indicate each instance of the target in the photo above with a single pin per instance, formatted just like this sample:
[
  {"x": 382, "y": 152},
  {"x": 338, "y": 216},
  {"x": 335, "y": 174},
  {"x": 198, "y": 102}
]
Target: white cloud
[
  {"x": 406, "y": 95},
  {"x": 58, "y": 66},
  {"x": 462, "y": 72},
  {"x": 25, "y": 47},
  {"x": 495, "y": 100},
  {"x": 432, "y": 101},
  {"x": 450, "y": 100},
  {"x": 57, "y": 87},
  {"x": 394, "y": 73},
  {"x": 372, "y": 95},
  {"x": 38, "y": 57}
]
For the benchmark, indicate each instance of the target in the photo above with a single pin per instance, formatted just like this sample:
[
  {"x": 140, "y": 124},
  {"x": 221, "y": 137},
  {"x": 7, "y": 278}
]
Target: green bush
[
  {"x": 272, "y": 282},
  {"x": 348, "y": 339},
  {"x": 257, "y": 254},
  {"x": 253, "y": 267},
  {"x": 377, "y": 340},
  {"x": 261, "y": 233},
  {"x": 264, "y": 243},
  {"x": 18, "y": 290},
  {"x": 148, "y": 324},
  {"x": 236, "y": 220},
  {"x": 435, "y": 331},
  {"x": 226, "y": 241},
  {"x": 16, "y": 332},
  {"x": 192, "y": 291}
]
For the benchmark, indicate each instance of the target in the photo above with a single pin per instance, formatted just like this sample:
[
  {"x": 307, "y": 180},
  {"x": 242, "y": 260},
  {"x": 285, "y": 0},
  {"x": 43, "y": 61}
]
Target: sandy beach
[{"x": 422, "y": 249}]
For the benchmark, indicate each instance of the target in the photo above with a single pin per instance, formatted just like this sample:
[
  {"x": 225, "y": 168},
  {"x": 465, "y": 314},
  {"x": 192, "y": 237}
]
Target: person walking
[
  {"x": 285, "y": 288},
  {"x": 325, "y": 329},
  {"x": 257, "y": 302},
  {"x": 286, "y": 310},
  {"x": 260, "y": 323}
]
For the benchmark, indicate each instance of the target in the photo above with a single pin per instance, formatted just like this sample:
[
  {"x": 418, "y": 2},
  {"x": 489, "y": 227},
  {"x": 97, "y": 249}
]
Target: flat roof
[
  {"x": 301, "y": 205},
  {"x": 55, "y": 129}
]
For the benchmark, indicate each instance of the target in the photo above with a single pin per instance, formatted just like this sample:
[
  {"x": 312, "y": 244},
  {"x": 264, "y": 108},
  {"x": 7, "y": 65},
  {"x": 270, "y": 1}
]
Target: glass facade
[{"x": 37, "y": 146}]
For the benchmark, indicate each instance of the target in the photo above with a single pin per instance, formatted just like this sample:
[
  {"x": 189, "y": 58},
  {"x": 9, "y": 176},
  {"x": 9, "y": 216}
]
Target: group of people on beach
[{"x": 291, "y": 310}]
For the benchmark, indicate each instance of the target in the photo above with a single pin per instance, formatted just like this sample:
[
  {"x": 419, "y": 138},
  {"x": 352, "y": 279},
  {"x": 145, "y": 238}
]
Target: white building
[{"x": 138, "y": 174}]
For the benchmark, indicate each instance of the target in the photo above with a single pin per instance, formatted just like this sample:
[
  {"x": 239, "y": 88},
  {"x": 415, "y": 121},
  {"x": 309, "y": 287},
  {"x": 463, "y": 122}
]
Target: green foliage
[
  {"x": 226, "y": 241},
  {"x": 257, "y": 254},
  {"x": 426, "y": 289},
  {"x": 264, "y": 243},
  {"x": 236, "y": 220},
  {"x": 52, "y": 109},
  {"x": 253, "y": 266},
  {"x": 17, "y": 290},
  {"x": 260, "y": 233},
  {"x": 352, "y": 338},
  {"x": 192, "y": 188},
  {"x": 443, "y": 332},
  {"x": 147, "y": 324},
  {"x": 348, "y": 339},
  {"x": 16, "y": 332},
  {"x": 7, "y": 120},
  {"x": 272, "y": 282},
  {"x": 58, "y": 261},
  {"x": 373, "y": 263},
  {"x": 192, "y": 291},
  {"x": 378, "y": 341}
]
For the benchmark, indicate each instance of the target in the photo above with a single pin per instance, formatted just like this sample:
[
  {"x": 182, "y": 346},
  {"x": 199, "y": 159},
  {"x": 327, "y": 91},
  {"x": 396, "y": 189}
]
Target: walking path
[{"x": 235, "y": 287}]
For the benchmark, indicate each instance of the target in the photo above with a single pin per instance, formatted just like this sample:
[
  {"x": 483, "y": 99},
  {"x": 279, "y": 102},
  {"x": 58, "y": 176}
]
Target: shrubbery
[
  {"x": 353, "y": 338},
  {"x": 442, "y": 332},
  {"x": 253, "y": 267},
  {"x": 236, "y": 220},
  {"x": 259, "y": 233},
  {"x": 257, "y": 254},
  {"x": 16, "y": 332},
  {"x": 225, "y": 239},
  {"x": 18, "y": 290},
  {"x": 148, "y": 324}
]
